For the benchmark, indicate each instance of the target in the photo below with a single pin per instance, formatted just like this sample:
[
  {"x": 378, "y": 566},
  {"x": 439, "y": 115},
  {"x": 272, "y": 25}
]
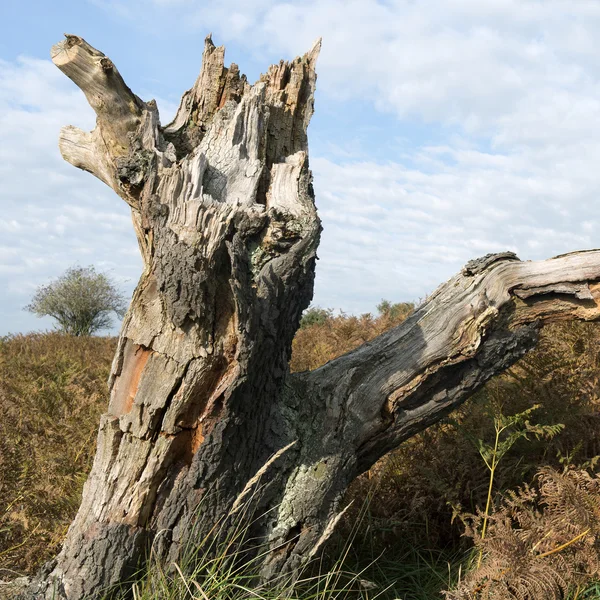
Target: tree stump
[{"x": 203, "y": 408}]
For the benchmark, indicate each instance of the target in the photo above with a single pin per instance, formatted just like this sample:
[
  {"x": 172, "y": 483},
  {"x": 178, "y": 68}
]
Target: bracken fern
[{"x": 542, "y": 542}]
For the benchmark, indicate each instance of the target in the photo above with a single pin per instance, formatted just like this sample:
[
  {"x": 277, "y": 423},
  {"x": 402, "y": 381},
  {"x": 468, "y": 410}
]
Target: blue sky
[{"x": 444, "y": 129}]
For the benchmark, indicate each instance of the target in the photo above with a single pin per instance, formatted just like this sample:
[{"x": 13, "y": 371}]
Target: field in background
[
  {"x": 52, "y": 392},
  {"x": 411, "y": 506}
]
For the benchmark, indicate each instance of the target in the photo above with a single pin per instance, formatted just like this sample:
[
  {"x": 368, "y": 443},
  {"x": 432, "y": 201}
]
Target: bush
[
  {"x": 315, "y": 316},
  {"x": 81, "y": 300}
]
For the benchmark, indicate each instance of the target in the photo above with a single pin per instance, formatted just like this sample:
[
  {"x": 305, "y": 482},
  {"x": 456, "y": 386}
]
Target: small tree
[
  {"x": 315, "y": 316},
  {"x": 395, "y": 311},
  {"x": 81, "y": 300}
]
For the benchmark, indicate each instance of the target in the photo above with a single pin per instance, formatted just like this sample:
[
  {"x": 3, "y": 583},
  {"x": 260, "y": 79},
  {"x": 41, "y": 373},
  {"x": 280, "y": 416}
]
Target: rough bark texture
[{"x": 201, "y": 395}]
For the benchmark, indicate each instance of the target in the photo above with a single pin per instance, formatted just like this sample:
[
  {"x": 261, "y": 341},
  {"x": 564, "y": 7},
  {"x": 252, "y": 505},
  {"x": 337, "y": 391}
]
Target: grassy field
[
  {"x": 417, "y": 520},
  {"x": 52, "y": 392}
]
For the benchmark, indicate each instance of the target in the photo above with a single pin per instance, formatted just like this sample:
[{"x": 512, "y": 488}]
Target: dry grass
[
  {"x": 325, "y": 337},
  {"x": 52, "y": 392}
]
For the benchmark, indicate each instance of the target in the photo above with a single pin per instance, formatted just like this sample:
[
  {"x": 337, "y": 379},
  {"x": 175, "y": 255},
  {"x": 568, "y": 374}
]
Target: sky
[{"x": 444, "y": 130}]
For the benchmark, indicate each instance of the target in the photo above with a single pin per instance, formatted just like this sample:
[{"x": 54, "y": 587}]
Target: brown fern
[{"x": 542, "y": 541}]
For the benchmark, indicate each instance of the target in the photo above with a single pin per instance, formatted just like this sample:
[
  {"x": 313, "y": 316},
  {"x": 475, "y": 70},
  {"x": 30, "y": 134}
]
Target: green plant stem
[{"x": 492, "y": 468}]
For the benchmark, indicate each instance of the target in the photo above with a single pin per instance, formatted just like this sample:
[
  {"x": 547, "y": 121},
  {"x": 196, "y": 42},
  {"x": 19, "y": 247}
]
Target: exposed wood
[{"x": 202, "y": 404}]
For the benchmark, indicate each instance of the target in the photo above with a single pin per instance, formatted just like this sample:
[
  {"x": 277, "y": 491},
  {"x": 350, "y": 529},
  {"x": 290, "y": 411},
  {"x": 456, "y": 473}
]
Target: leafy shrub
[
  {"x": 315, "y": 316},
  {"x": 81, "y": 300}
]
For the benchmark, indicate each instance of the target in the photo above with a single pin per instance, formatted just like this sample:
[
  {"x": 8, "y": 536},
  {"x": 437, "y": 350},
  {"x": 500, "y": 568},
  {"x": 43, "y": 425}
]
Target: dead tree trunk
[{"x": 201, "y": 395}]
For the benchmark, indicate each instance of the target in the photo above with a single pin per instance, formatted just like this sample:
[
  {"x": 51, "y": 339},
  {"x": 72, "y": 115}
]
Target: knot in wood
[
  {"x": 133, "y": 169},
  {"x": 71, "y": 40},
  {"x": 106, "y": 64}
]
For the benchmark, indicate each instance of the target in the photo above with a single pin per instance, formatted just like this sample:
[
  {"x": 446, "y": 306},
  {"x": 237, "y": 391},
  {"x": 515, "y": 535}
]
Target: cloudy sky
[{"x": 444, "y": 129}]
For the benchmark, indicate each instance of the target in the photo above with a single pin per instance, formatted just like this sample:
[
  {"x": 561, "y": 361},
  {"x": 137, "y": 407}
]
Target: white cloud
[
  {"x": 396, "y": 232},
  {"x": 512, "y": 87},
  {"x": 52, "y": 214},
  {"x": 446, "y": 60}
]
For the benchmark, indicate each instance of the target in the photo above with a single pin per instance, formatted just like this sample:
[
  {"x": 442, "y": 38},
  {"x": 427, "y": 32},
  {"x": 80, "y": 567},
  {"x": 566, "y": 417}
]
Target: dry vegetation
[
  {"x": 418, "y": 503},
  {"x": 543, "y": 541},
  {"x": 52, "y": 392},
  {"x": 323, "y": 336}
]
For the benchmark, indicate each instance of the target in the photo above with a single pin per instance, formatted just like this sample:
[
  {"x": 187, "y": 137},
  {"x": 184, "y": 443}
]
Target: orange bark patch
[
  {"x": 134, "y": 360},
  {"x": 595, "y": 290},
  {"x": 185, "y": 443},
  {"x": 197, "y": 439}
]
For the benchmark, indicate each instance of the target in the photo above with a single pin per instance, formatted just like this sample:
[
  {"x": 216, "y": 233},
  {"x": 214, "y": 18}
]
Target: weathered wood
[
  {"x": 369, "y": 401},
  {"x": 201, "y": 395}
]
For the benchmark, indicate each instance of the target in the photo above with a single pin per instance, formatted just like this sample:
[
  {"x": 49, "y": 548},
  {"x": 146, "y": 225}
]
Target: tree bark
[{"x": 202, "y": 408}]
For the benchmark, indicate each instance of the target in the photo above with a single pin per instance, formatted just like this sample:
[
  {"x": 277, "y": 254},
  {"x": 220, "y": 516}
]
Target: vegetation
[
  {"x": 213, "y": 568},
  {"x": 415, "y": 525},
  {"x": 81, "y": 300},
  {"x": 542, "y": 542},
  {"x": 52, "y": 392},
  {"x": 323, "y": 336}
]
